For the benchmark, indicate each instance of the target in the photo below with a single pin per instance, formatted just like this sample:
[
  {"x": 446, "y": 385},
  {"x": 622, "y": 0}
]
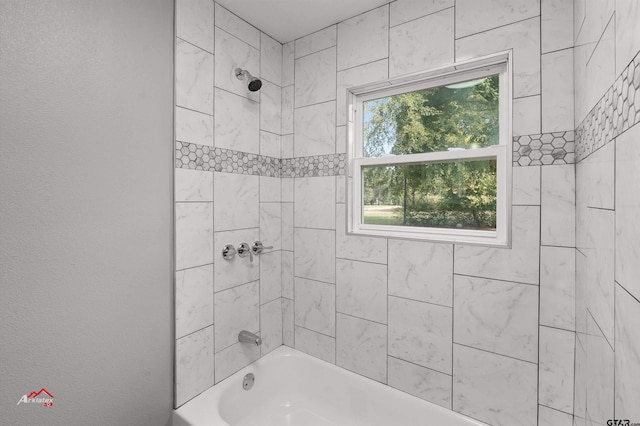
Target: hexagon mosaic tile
[
  {"x": 544, "y": 149},
  {"x": 617, "y": 111},
  {"x": 203, "y": 157}
]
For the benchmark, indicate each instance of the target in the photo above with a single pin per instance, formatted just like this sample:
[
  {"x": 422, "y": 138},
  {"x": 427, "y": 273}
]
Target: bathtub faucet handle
[
  {"x": 257, "y": 247},
  {"x": 248, "y": 337}
]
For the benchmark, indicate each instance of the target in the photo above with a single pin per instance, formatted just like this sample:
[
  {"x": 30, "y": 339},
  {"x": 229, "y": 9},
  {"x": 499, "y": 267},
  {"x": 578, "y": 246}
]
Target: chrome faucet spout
[{"x": 248, "y": 337}]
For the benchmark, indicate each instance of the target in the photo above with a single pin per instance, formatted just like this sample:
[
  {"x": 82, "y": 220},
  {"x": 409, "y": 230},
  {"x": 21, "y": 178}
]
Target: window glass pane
[
  {"x": 457, "y": 116},
  {"x": 458, "y": 194}
]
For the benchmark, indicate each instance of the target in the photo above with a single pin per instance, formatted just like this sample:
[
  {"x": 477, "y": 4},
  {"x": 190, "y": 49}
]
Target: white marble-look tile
[
  {"x": 600, "y": 375},
  {"x": 421, "y": 333},
  {"x": 526, "y": 116},
  {"x": 402, "y": 11},
  {"x": 194, "y": 22},
  {"x": 270, "y": 60},
  {"x": 236, "y": 309},
  {"x": 556, "y": 368},
  {"x": 287, "y": 274},
  {"x": 271, "y": 225},
  {"x": 315, "y": 77},
  {"x": 526, "y": 186},
  {"x": 581, "y": 292},
  {"x": 557, "y": 25},
  {"x": 341, "y": 189},
  {"x": 421, "y": 271},
  {"x": 356, "y": 247},
  {"x": 627, "y": 356},
  {"x": 597, "y": 177},
  {"x": 557, "y": 287},
  {"x": 194, "y": 234},
  {"x": 315, "y": 306},
  {"x": 314, "y": 205},
  {"x": 232, "y": 53},
  {"x": 424, "y": 383},
  {"x": 551, "y": 417},
  {"x": 421, "y": 44},
  {"x": 357, "y": 76},
  {"x": 193, "y": 185},
  {"x": 286, "y": 150},
  {"x": 627, "y": 203},
  {"x": 627, "y": 34},
  {"x": 194, "y": 127},
  {"x": 511, "y": 330},
  {"x": 315, "y": 344},
  {"x": 524, "y": 38},
  {"x": 271, "y": 325},
  {"x": 234, "y": 358},
  {"x": 287, "y": 189},
  {"x": 287, "y": 323},
  {"x": 270, "y": 189},
  {"x": 519, "y": 263},
  {"x": 194, "y": 364},
  {"x": 362, "y": 347},
  {"x": 361, "y": 289},
  {"x": 237, "y": 203},
  {"x": 557, "y": 91},
  {"x": 270, "y": 276},
  {"x": 494, "y": 389},
  {"x": 315, "y": 254},
  {"x": 287, "y": 63},
  {"x": 363, "y": 38},
  {"x": 270, "y": 144},
  {"x": 237, "y": 124},
  {"x": 341, "y": 140},
  {"x": 580, "y": 387},
  {"x": 315, "y": 130},
  {"x": 595, "y": 68},
  {"x": 194, "y": 78},
  {"x": 229, "y": 273},
  {"x": 474, "y": 16},
  {"x": 287, "y": 113},
  {"x": 270, "y": 108},
  {"x": 315, "y": 42},
  {"x": 600, "y": 267},
  {"x": 194, "y": 299},
  {"x": 237, "y": 27},
  {"x": 287, "y": 226}
]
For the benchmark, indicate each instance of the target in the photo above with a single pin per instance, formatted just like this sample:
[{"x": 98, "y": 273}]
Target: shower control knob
[
  {"x": 244, "y": 250},
  {"x": 257, "y": 247},
  {"x": 228, "y": 251}
]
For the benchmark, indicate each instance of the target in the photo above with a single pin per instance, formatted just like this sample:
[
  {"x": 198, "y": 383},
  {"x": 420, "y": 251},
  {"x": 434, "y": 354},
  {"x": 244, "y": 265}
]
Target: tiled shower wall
[
  {"x": 488, "y": 332},
  {"x": 227, "y": 191},
  {"x": 607, "y": 77}
]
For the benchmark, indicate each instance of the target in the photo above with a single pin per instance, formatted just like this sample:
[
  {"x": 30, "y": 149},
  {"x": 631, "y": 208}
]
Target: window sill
[{"x": 479, "y": 238}]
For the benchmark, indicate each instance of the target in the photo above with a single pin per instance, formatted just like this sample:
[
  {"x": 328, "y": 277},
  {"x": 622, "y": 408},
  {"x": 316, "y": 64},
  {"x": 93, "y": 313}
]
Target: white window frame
[{"x": 463, "y": 71}]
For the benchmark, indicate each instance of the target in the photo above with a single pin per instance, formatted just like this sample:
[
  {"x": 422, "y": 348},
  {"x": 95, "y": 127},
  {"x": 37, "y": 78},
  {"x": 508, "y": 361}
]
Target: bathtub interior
[{"x": 295, "y": 389}]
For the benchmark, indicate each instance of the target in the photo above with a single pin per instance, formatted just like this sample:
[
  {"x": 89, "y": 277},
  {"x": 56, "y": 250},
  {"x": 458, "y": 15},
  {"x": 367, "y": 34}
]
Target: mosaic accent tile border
[
  {"x": 317, "y": 165},
  {"x": 617, "y": 111},
  {"x": 203, "y": 157},
  {"x": 544, "y": 149}
]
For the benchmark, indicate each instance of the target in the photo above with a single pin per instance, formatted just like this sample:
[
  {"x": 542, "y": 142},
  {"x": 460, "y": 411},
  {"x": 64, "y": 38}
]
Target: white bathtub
[{"x": 295, "y": 389}]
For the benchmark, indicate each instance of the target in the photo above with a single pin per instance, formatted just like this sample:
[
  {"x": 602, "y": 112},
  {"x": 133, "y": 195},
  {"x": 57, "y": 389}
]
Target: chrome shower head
[{"x": 254, "y": 83}]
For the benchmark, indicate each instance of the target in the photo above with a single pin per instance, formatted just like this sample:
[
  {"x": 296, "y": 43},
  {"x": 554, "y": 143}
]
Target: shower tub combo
[{"x": 290, "y": 388}]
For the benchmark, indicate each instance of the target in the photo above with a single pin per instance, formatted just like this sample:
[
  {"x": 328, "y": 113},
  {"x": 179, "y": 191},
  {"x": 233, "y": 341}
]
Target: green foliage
[{"x": 449, "y": 194}]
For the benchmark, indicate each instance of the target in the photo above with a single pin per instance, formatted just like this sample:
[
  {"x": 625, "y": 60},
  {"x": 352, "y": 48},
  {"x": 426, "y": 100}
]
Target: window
[{"x": 430, "y": 155}]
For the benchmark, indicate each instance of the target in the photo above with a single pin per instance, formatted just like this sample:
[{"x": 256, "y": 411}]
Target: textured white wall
[{"x": 86, "y": 91}]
